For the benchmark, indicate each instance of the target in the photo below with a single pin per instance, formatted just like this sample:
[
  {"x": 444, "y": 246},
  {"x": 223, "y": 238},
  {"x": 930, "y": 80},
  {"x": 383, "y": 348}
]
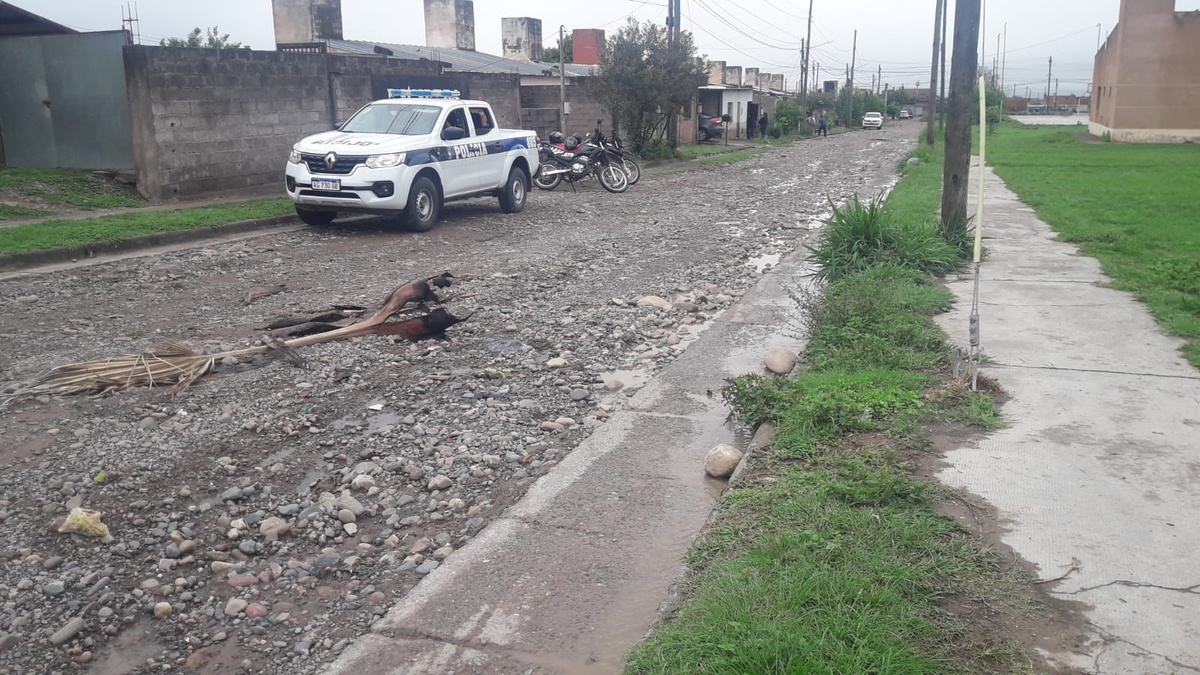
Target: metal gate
[{"x": 64, "y": 102}]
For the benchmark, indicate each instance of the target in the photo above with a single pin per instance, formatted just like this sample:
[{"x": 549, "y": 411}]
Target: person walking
[
  {"x": 762, "y": 125},
  {"x": 823, "y": 130}
]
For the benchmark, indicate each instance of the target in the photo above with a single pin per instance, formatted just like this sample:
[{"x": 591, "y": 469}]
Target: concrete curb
[
  {"x": 762, "y": 439},
  {"x": 64, "y": 254}
]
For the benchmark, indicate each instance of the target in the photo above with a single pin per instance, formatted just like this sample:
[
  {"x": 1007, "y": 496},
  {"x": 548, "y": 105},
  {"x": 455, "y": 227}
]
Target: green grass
[
  {"x": 729, "y": 157},
  {"x": 1133, "y": 207},
  {"x": 21, "y": 212},
  {"x": 838, "y": 561},
  {"x": 704, "y": 150},
  {"x": 32, "y": 237},
  {"x": 68, "y": 189}
]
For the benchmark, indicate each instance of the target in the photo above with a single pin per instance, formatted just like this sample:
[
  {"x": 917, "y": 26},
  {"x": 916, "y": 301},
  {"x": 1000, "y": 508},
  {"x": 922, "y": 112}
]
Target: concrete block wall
[
  {"x": 584, "y": 109},
  {"x": 207, "y": 120},
  {"x": 750, "y": 78}
]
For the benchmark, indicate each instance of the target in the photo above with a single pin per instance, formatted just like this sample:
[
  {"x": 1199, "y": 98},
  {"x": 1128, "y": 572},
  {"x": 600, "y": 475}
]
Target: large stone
[
  {"x": 440, "y": 483},
  {"x": 162, "y": 610},
  {"x": 345, "y": 501},
  {"x": 556, "y": 362},
  {"x": 722, "y": 460},
  {"x": 255, "y": 610},
  {"x": 68, "y": 631},
  {"x": 780, "y": 361},
  {"x": 273, "y": 527},
  {"x": 654, "y": 301},
  {"x": 235, "y": 606}
]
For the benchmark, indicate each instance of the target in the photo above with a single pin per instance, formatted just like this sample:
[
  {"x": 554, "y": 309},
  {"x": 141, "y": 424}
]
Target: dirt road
[{"x": 269, "y": 516}]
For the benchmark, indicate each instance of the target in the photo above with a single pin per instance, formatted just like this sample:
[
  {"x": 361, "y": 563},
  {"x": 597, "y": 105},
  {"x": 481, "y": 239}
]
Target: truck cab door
[
  {"x": 491, "y": 166},
  {"x": 458, "y": 171}
]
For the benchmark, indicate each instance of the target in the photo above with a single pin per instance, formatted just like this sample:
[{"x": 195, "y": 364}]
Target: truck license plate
[{"x": 327, "y": 185}]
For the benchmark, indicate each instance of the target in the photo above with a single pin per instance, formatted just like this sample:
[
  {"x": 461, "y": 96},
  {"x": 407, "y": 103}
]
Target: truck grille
[{"x": 344, "y": 164}]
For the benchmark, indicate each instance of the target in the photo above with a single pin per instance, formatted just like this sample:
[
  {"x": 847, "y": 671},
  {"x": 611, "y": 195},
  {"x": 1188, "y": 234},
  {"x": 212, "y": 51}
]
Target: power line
[
  {"x": 749, "y": 56},
  {"x": 748, "y": 36}
]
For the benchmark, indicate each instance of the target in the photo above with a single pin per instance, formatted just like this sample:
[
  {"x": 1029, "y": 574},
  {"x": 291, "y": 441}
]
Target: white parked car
[
  {"x": 872, "y": 120},
  {"x": 406, "y": 156},
  {"x": 906, "y": 114}
]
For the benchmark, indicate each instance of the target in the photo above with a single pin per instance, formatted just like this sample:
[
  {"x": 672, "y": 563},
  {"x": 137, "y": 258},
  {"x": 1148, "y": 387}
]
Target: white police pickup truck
[{"x": 406, "y": 156}]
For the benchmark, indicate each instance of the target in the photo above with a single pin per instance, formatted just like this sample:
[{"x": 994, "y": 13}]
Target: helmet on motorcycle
[
  {"x": 556, "y": 137},
  {"x": 572, "y": 142}
]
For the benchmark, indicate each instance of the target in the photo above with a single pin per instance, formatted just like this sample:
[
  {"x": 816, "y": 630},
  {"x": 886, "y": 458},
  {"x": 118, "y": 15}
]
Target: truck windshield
[{"x": 393, "y": 118}]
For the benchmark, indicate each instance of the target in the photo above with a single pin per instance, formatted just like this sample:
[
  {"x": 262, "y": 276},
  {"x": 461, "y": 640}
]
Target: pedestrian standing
[
  {"x": 762, "y": 125},
  {"x": 823, "y": 130}
]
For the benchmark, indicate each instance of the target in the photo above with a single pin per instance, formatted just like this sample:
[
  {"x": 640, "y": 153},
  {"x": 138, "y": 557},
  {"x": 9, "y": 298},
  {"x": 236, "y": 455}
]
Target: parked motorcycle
[
  {"x": 574, "y": 159},
  {"x": 613, "y": 145}
]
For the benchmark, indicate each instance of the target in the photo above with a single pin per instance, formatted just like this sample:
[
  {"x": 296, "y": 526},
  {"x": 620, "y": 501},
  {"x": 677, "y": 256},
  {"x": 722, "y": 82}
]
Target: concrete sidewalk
[{"x": 1101, "y": 461}]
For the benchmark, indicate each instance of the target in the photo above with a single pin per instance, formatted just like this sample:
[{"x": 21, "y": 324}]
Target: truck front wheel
[
  {"x": 516, "y": 191},
  {"x": 424, "y": 205}
]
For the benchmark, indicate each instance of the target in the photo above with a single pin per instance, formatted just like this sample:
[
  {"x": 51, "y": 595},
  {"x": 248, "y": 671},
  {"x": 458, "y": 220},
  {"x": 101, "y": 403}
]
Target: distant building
[{"x": 1146, "y": 85}]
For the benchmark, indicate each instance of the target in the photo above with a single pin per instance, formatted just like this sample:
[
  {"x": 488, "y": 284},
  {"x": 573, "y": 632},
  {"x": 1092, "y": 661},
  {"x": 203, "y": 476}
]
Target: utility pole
[
  {"x": 807, "y": 49},
  {"x": 562, "y": 79},
  {"x": 963, "y": 74},
  {"x": 1049, "y": 74},
  {"x": 1056, "y": 93},
  {"x": 996, "y": 63},
  {"x": 853, "y": 60},
  {"x": 1099, "y": 33},
  {"x": 1004, "y": 59},
  {"x": 933, "y": 75},
  {"x": 941, "y": 101},
  {"x": 885, "y": 99},
  {"x": 878, "y": 81}
]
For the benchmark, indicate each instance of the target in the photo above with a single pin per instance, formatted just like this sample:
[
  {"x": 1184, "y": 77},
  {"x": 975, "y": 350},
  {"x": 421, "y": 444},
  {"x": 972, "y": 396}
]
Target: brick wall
[{"x": 208, "y": 120}]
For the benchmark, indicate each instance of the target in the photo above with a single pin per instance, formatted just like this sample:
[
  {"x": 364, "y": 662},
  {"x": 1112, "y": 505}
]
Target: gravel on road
[{"x": 266, "y": 517}]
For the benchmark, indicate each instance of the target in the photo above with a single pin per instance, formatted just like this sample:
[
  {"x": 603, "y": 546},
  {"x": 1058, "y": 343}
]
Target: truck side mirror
[{"x": 453, "y": 134}]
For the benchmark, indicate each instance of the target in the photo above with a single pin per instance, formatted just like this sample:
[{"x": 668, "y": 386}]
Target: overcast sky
[{"x": 893, "y": 34}]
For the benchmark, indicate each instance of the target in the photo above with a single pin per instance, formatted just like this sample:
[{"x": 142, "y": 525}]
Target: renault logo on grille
[{"x": 330, "y": 160}]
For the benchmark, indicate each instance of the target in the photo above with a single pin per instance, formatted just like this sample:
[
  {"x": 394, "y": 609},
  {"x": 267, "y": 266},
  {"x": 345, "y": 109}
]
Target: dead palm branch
[{"x": 177, "y": 366}]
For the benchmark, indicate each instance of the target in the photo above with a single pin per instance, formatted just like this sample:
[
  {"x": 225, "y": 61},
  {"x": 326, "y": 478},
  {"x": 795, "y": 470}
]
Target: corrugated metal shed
[{"x": 460, "y": 60}]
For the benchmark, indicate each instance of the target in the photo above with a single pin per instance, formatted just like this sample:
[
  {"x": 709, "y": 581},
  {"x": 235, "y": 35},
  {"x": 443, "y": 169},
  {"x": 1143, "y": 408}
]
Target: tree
[
  {"x": 550, "y": 54},
  {"x": 963, "y": 65},
  {"x": 642, "y": 80},
  {"x": 197, "y": 39}
]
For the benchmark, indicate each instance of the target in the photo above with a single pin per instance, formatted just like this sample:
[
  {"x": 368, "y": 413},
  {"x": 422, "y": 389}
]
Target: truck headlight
[
  {"x": 385, "y": 161},
  {"x": 294, "y": 158}
]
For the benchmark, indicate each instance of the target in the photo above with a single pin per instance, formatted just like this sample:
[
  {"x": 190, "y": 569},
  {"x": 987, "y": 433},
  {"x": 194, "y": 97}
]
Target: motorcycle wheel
[
  {"x": 632, "y": 170},
  {"x": 546, "y": 182},
  {"x": 613, "y": 179}
]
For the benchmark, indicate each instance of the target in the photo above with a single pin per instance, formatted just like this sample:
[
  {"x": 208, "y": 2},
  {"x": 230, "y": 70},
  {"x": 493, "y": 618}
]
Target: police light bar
[{"x": 423, "y": 93}]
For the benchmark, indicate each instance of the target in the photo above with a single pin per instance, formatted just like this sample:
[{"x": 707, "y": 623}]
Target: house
[
  {"x": 920, "y": 99},
  {"x": 743, "y": 95},
  {"x": 1146, "y": 84}
]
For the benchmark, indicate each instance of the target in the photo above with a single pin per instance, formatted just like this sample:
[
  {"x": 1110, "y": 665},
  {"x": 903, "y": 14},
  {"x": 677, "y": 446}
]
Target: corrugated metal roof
[{"x": 460, "y": 60}]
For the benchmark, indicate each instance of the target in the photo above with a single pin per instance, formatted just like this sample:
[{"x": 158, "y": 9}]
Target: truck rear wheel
[
  {"x": 315, "y": 218},
  {"x": 515, "y": 192},
  {"x": 424, "y": 205}
]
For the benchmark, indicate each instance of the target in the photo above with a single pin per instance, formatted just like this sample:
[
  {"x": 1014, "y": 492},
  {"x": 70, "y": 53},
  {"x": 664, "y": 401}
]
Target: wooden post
[{"x": 964, "y": 64}]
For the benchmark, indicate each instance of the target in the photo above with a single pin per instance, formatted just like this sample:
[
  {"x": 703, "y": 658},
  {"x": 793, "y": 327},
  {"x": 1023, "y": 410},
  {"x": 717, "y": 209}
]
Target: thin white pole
[{"x": 976, "y": 348}]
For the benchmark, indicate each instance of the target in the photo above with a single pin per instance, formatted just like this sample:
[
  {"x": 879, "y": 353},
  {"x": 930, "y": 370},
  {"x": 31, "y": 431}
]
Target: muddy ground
[{"x": 265, "y": 518}]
